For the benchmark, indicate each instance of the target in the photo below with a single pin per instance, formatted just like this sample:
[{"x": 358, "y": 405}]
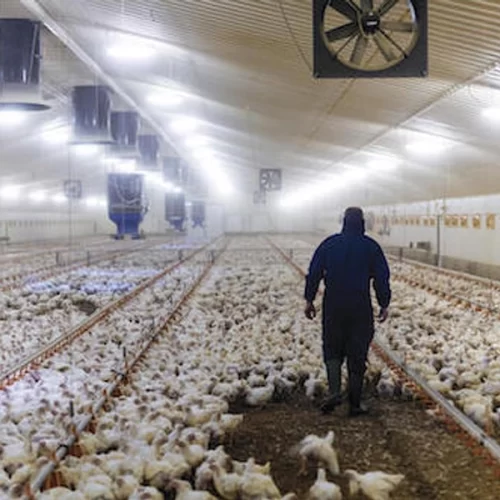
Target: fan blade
[
  {"x": 366, "y": 6},
  {"x": 342, "y": 32},
  {"x": 346, "y": 8},
  {"x": 399, "y": 26},
  {"x": 386, "y": 7},
  {"x": 359, "y": 49},
  {"x": 384, "y": 46}
]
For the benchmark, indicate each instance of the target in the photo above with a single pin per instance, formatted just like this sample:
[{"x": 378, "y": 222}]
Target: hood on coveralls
[{"x": 354, "y": 221}]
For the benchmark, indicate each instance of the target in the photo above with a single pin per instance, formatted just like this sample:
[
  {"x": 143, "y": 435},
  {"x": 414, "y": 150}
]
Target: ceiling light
[
  {"x": 166, "y": 99},
  {"x": 11, "y": 117},
  {"x": 203, "y": 154},
  {"x": 59, "y": 198},
  {"x": 37, "y": 196},
  {"x": 491, "y": 114},
  {"x": 426, "y": 148},
  {"x": 382, "y": 164},
  {"x": 91, "y": 202},
  {"x": 59, "y": 135},
  {"x": 177, "y": 189},
  {"x": 196, "y": 141},
  {"x": 125, "y": 166},
  {"x": 184, "y": 125},
  {"x": 10, "y": 192},
  {"x": 127, "y": 51},
  {"x": 85, "y": 149},
  {"x": 102, "y": 203}
]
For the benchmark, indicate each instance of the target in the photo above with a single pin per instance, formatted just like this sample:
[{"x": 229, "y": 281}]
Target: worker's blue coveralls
[{"x": 348, "y": 262}]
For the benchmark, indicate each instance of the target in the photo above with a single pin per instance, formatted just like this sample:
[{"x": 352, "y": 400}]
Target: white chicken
[
  {"x": 185, "y": 491},
  {"x": 375, "y": 485},
  {"x": 314, "y": 448},
  {"x": 323, "y": 489}
]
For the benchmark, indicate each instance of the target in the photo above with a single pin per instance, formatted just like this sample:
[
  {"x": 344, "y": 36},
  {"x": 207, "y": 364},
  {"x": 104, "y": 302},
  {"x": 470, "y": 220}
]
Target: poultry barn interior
[{"x": 168, "y": 169}]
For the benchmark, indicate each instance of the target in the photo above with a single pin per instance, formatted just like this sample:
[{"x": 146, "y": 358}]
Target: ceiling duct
[
  {"x": 175, "y": 210},
  {"x": 172, "y": 170},
  {"x": 124, "y": 131},
  {"x": 92, "y": 110},
  {"x": 20, "y": 65},
  {"x": 149, "y": 148}
]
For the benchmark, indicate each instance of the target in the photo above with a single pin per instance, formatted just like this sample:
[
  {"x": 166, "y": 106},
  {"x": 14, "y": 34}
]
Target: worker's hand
[
  {"x": 310, "y": 311},
  {"x": 383, "y": 315}
]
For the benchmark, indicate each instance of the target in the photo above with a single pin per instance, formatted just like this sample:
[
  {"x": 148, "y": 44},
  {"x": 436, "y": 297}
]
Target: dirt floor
[{"x": 398, "y": 437}]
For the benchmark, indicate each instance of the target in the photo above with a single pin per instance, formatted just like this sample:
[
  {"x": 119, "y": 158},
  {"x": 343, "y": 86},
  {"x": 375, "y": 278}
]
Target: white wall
[
  {"x": 468, "y": 243},
  {"x": 242, "y": 215}
]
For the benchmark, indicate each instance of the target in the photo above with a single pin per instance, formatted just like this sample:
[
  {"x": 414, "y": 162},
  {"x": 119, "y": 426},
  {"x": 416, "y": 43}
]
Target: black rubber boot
[
  {"x": 355, "y": 391},
  {"x": 333, "y": 371}
]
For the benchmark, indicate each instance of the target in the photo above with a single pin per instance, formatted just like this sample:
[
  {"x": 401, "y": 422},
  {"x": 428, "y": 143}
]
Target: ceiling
[{"x": 246, "y": 69}]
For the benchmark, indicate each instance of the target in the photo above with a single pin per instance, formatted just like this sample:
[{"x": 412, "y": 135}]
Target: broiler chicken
[
  {"x": 374, "y": 485},
  {"x": 324, "y": 490}
]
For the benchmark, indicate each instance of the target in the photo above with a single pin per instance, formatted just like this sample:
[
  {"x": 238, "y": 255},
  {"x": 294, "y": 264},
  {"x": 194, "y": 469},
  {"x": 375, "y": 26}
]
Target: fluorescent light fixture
[
  {"x": 196, "y": 141},
  {"x": 166, "y": 98},
  {"x": 184, "y": 125},
  {"x": 92, "y": 202},
  {"x": 203, "y": 154},
  {"x": 58, "y": 135},
  {"x": 168, "y": 187},
  {"x": 37, "y": 196},
  {"x": 85, "y": 149},
  {"x": 426, "y": 147},
  {"x": 10, "y": 192},
  {"x": 58, "y": 198},
  {"x": 382, "y": 164},
  {"x": 125, "y": 166},
  {"x": 10, "y": 117},
  {"x": 492, "y": 114},
  {"x": 131, "y": 51}
]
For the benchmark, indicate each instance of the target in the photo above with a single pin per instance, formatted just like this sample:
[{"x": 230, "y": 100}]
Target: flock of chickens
[{"x": 242, "y": 338}]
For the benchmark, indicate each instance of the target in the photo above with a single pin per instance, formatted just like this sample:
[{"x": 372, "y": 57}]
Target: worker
[{"x": 348, "y": 262}]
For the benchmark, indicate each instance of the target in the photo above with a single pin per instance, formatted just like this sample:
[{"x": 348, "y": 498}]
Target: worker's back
[{"x": 347, "y": 262}]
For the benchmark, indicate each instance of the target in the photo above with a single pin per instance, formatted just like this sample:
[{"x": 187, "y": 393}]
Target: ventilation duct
[
  {"x": 198, "y": 213},
  {"x": 149, "y": 148},
  {"x": 20, "y": 65},
  {"x": 175, "y": 171},
  {"x": 175, "y": 210},
  {"x": 124, "y": 130},
  {"x": 91, "y": 114}
]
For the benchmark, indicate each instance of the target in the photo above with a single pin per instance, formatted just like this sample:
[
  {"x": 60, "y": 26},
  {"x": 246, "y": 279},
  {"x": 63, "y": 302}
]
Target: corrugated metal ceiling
[{"x": 248, "y": 64}]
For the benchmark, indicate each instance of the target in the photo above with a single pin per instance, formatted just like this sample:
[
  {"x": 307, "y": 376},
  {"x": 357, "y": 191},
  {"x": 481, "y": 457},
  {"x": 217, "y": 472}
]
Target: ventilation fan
[
  {"x": 370, "y": 38},
  {"x": 270, "y": 179},
  {"x": 72, "y": 189}
]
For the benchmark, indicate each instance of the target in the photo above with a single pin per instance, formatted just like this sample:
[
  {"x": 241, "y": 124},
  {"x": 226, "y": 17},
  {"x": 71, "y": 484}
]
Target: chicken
[
  {"x": 320, "y": 450},
  {"x": 324, "y": 490},
  {"x": 259, "y": 396},
  {"x": 185, "y": 491},
  {"x": 227, "y": 485},
  {"x": 256, "y": 486},
  {"x": 61, "y": 494},
  {"x": 374, "y": 485}
]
